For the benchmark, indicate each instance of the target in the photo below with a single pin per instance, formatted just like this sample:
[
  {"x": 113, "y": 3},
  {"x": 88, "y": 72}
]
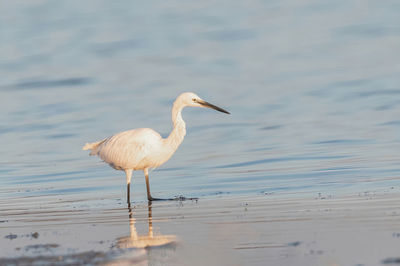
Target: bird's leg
[
  {"x": 146, "y": 174},
  {"x": 128, "y": 173},
  {"x": 128, "y": 193},
  {"x": 149, "y": 197}
]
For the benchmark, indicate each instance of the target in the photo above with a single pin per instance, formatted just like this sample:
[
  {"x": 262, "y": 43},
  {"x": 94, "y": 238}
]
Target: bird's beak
[{"x": 209, "y": 105}]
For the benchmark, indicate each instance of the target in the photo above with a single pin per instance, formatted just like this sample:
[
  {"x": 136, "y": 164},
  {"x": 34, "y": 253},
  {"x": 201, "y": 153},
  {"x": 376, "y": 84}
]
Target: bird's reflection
[{"x": 135, "y": 240}]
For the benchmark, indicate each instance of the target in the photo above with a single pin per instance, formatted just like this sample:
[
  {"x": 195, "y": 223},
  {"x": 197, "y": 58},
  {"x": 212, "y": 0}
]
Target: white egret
[{"x": 144, "y": 148}]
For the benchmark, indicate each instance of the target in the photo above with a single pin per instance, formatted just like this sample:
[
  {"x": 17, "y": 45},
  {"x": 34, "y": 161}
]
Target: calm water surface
[{"x": 312, "y": 87}]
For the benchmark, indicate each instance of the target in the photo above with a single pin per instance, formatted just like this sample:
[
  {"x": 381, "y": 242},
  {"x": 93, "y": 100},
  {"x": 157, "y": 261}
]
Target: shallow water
[{"x": 312, "y": 87}]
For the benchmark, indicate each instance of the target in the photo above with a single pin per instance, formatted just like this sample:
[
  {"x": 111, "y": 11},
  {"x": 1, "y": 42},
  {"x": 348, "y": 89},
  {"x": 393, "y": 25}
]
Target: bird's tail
[
  {"x": 92, "y": 146},
  {"x": 89, "y": 146}
]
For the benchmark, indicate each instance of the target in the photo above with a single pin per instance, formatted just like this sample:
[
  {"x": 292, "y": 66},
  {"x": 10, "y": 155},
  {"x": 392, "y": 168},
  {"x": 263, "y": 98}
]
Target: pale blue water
[{"x": 313, "y": 88}]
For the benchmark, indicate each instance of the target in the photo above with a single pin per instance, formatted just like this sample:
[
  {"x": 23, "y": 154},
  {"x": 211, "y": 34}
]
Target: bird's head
[{"x": 191, "y": 99}]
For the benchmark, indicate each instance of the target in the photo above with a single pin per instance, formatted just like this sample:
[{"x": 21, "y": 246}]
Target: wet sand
[{"x": 358, "y": 229}]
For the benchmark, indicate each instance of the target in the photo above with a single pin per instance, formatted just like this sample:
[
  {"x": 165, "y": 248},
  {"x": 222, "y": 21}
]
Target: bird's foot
[{"x": 155, "y": 199}]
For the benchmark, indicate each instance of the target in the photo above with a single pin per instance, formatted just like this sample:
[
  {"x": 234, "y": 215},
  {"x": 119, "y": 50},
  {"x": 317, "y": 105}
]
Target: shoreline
[{"x": 226, "y": 230}]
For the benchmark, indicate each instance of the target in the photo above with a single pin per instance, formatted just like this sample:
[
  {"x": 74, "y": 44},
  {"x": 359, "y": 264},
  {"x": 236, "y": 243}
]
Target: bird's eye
[{"x": 194, "y": 99}]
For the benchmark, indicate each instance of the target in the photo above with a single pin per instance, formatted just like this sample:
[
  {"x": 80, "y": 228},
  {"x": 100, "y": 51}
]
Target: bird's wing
[{"x": 127, "y": 149}]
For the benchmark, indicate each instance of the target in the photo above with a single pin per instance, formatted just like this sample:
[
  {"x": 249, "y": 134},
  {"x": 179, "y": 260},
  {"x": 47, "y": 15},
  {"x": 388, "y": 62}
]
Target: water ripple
[
  {"x": 36, "y": 84},
  {"x": 282, "y": 159}
]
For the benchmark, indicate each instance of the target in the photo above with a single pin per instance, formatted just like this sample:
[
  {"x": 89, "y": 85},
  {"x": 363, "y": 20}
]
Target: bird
[{"x": 144, "y": 148}]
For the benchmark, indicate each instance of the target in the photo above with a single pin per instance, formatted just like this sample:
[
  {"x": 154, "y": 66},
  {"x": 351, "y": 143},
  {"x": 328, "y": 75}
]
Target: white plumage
[{"x": 144, "y": 148}]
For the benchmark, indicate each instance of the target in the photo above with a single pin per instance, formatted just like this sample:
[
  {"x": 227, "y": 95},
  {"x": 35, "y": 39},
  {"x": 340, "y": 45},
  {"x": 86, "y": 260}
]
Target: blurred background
[{"x": 312, "y": 87}]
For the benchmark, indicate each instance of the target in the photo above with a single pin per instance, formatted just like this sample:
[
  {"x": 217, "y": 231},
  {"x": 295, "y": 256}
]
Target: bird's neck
[{"x": 175, "y": 138}]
